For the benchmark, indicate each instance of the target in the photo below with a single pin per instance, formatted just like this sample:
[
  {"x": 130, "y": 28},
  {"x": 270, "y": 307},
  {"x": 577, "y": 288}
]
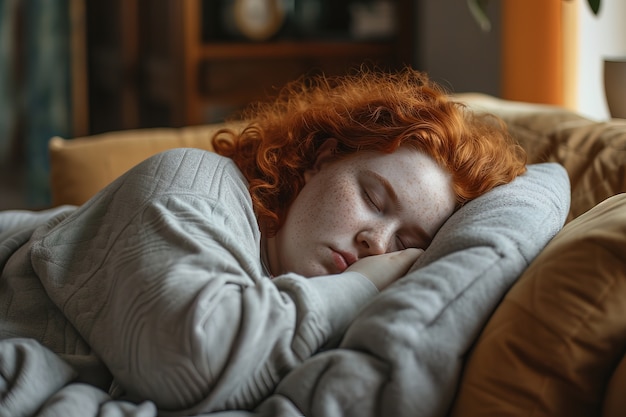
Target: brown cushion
[
  {"x": 80, "y": 167},
  {"x": 615, "y": 400},
  {"x": 553, "y": 343},
  {"x": 594, "y": 153}
]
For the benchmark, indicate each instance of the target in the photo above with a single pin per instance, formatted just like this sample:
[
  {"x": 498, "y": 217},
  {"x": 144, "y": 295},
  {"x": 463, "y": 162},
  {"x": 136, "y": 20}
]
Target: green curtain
[
  {"x": 47, "y": 89},
  {"x": 35, "y": 89},
  {"x": 8, "y": 100}
]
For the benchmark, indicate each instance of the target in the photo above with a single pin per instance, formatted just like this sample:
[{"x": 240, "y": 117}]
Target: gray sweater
[{"x": 158, "y": 281}]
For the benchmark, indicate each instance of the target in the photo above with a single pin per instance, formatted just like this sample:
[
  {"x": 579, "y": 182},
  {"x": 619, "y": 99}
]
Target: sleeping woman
[{"x": 198, "y": 280}]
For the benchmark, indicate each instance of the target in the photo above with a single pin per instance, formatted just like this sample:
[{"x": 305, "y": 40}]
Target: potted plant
[{"x": 478, "y": 8}]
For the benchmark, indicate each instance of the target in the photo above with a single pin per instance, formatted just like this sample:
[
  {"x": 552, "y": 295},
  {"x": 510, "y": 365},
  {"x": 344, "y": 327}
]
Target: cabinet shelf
[
  {"x": 165, "y": 63},
  {"x": 293, "y": 49}
]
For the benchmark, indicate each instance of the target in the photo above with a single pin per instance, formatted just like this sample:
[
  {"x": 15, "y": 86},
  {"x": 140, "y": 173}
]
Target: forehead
[{"x": 405, "y": 164}]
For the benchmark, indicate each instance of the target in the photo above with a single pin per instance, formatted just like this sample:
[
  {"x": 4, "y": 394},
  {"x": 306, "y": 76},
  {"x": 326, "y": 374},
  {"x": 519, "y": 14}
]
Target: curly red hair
[{"x": 372, "y": 111}]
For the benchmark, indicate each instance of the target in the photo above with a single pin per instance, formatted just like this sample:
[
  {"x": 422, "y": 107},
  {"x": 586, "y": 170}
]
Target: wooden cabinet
[{"x": 163, "y": 63}]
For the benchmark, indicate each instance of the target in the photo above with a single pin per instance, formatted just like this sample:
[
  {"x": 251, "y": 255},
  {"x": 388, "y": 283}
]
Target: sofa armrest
[
  {"x": 553, "y": 344},
  {"x": 80, "y": 167}
]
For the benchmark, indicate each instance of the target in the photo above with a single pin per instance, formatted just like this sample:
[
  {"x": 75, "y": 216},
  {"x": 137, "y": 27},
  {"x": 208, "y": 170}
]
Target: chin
[{"x": 311, "y": 271}]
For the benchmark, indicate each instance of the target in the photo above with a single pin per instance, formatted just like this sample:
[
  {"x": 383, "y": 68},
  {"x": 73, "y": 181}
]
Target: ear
[{"x": 325, "y": 153}]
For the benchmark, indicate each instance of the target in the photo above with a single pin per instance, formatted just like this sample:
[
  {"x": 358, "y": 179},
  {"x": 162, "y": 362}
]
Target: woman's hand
[{"x": 384, "y": 269}]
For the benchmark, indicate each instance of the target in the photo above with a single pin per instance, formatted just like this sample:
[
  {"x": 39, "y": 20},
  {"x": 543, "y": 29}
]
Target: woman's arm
[{"x": 160, "y": 273}]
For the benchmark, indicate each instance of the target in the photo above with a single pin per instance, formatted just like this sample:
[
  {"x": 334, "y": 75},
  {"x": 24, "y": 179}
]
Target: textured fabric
[
  {"x": 555, "y": 340},
  {"x": 615, "y": 401},
  {"x": 23, "y": 363},
  {"x": 35, "y": 381},
  {"x": 159, "y": 277}
]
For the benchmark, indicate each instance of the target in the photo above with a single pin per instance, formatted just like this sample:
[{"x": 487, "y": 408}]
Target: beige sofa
[{"x": 556, "y": 344}]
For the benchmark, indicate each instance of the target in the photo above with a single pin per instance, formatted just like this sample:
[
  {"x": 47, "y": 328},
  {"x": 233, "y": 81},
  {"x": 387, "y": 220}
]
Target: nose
[{"x": 374, "y": 241}]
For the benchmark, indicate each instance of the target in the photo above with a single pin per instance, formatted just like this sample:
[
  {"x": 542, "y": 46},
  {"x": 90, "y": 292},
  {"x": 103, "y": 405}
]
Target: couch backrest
[
  {"x": 80, "y": 167},
  {"x": 593, "y": 152}
]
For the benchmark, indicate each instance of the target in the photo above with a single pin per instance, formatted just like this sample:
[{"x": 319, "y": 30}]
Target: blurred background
[{"x": 74, "y": 68}]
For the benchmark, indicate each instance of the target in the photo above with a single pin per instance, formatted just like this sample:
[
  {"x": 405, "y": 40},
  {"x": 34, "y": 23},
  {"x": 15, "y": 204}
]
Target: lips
[{"x": 343, "y": 260}]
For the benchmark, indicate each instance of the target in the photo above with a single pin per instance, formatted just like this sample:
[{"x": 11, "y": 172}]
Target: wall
[
  {"x": 453, "y": 49},
  {"x": 599, "y": 37}
]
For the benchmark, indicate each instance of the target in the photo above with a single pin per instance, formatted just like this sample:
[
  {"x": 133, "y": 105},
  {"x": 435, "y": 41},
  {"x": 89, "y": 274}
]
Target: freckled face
[{"x": 366, "y": 204}]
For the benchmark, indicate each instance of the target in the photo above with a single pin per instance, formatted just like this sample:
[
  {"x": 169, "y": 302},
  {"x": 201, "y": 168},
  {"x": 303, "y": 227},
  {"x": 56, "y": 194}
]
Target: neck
[{"x": 266, "y": 260}]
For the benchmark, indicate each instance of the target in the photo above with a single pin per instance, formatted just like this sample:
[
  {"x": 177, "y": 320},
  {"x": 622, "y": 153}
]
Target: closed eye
[{"x": 371, "y": 201}]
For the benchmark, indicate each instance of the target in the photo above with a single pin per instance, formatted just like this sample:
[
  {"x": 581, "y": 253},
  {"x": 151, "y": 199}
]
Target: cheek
[
  {"x": 340, "y": 205},
  {"x": 443, "y": 206},
  {"x": 330, "y": 209}
]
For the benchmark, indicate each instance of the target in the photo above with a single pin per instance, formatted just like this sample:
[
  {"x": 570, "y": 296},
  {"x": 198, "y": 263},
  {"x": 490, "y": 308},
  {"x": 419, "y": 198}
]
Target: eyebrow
[{"x": 391, "y": 192}]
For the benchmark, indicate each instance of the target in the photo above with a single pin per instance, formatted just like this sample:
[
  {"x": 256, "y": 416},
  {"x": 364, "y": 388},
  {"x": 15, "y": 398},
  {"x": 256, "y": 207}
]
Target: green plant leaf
[
  {"x": 595, "y": 6},
  {"x": 478, "y": 8}
]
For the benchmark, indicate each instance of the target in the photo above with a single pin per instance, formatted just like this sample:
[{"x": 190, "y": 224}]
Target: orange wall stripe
[{"x": 532, "y": 51}]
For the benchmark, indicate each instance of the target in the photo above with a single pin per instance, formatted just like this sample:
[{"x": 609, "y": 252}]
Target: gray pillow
[{"x": 404, "y": 353}]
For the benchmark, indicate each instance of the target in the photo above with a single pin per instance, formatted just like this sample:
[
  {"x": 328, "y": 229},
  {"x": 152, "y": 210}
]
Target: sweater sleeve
[{"x": 160, "y": 273}]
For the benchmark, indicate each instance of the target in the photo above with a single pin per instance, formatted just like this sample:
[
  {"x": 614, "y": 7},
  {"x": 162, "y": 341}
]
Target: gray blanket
[{"x": 400, "y": 356}]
